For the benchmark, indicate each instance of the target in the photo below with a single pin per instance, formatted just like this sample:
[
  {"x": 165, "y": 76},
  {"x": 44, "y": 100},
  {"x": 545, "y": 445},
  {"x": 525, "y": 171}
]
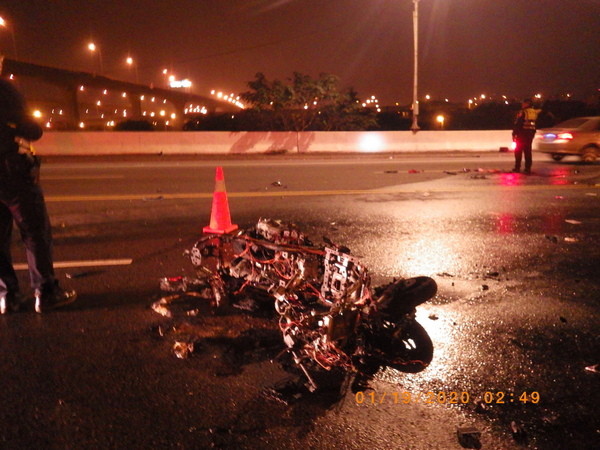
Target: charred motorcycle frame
[{"x": 329, "y": 316}]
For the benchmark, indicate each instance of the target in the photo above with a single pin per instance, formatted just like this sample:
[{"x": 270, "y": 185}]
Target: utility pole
[{"x": 415, "y": 105}]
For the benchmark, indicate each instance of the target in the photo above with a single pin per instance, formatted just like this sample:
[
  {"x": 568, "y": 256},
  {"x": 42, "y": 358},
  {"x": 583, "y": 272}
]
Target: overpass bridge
[{"x": 72, "y": 100}]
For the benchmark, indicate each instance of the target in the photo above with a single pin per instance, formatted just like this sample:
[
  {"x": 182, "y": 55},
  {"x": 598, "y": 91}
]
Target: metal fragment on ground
[
  {"x": 183, "y": 350},
  {"x": 518, "y": 432},
  {"x": 161, "y": 309}
]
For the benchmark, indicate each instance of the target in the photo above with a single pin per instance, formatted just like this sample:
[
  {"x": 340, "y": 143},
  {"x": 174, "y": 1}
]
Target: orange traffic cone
[{"x": 220, "y": 219}]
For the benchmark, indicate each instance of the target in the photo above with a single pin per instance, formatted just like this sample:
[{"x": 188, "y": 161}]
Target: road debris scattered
[
  {"x": 594, "y": 369},
  {"x": 179, "y": 284},
  {"x": 87, "y": 273},
  {"x": 478, "y": 176},
  {"x": 518, "y": 432},
  {"x": 573, "y": 221},
  {"x": 444, "y": 274},
  {"x": 481, "y": 406},
  {"x": 183, "y": 349}
]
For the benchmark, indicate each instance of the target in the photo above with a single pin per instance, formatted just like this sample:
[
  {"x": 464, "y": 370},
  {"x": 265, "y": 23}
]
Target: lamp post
[
  {"x": 4, "y": 24},
  {"x": 165, "y": 73},
  {"x": 415, "y": 105},
  {"x": 93, "y": 48},
  {"x": 130, "y": 62},
  {"x": 440, "y": 119}
]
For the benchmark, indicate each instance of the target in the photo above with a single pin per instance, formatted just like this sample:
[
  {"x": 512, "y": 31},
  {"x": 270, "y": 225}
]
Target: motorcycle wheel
[{"x": 410, "y": 350}]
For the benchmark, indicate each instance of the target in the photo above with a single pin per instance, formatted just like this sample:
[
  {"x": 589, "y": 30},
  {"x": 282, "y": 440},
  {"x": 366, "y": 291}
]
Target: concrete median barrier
[{"x": 223, "y": 142}]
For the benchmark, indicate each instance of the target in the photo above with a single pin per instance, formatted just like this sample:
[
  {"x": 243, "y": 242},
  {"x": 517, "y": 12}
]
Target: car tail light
[
  {"x": 565, "y": 136},
  {"x": 558, "y": 137}
]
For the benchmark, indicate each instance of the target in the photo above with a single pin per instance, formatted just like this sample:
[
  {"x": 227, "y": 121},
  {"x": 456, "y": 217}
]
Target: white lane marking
[
  {"x": 84, "y": 263},
  {"x": 82, "y": 177}
]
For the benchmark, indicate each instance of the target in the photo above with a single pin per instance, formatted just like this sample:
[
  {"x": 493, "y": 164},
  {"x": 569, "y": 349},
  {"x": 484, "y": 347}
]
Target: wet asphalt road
[{"x": 515, "y": 320}]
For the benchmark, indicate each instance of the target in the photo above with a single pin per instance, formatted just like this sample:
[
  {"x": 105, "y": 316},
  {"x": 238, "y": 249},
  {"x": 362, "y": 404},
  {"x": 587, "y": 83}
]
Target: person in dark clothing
[
  {"x": 22, "y": 202},
  {"x": 523, "y": 134}
]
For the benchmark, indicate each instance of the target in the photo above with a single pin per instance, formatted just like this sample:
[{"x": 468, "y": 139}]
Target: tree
[
  {"x": 305, "y": 103},
  {"x": 347, "y": 114}
]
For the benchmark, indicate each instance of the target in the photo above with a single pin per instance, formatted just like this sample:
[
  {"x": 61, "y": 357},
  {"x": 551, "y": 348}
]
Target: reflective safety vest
[{"x": 529, "y": 117}]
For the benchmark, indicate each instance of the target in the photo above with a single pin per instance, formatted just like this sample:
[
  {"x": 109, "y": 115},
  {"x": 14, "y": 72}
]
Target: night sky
[{"x": 467, "y": 47}]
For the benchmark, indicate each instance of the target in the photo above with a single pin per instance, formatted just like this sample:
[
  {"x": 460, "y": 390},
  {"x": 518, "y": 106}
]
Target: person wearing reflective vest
[{"x": 523, "y": 133}]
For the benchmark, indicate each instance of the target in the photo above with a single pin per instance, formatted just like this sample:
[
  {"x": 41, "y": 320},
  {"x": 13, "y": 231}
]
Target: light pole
[
  {"x": 415, "y": 106},
  {"x": 131, "y": 62},
  {"x": 440, "y": 119},
  {"x": 93, "y": 48},
  {"x": 4, "y": 24}
]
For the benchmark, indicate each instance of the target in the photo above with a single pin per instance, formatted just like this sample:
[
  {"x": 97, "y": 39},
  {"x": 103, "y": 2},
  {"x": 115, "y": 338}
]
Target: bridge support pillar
[
  {"x": 136, "y": 105},
  {"x": 72, "y": 107}
]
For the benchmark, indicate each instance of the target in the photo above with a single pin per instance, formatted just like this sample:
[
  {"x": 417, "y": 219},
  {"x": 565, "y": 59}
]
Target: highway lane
[{"x": 110, "y": 380}]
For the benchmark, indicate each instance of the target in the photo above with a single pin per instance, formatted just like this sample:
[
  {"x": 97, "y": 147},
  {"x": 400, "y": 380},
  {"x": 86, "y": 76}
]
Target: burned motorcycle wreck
[{"x": 329, "y": 316}]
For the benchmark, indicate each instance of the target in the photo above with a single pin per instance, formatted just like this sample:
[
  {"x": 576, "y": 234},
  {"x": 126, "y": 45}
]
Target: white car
[{"x": 579, "y": 136}]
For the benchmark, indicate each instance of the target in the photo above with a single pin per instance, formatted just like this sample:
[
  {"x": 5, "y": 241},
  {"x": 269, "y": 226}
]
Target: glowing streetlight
[
  {"x": 4, "y": 24},
  {"x": 415, "y": 106},
  {"x": 93, "y": 48},
  {"x": 440, "y": 119},
  {"x": 130, "y": 62}
]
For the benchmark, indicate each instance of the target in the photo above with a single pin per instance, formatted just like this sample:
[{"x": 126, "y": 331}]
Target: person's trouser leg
[
  {"x": 518, "y": 153},
  {"x": 8, "y": 278},
  {"x": 527, "y": 152},
  {"x": 31, "y": 217}
]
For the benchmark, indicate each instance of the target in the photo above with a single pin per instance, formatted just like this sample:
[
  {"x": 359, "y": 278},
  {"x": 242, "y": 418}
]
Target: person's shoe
[
  {"x": 53, "y": 300},
  {"x": 527, "y": 172},
  {"x": 4, "y": 305},
  {"x": 10, "y": 303}
]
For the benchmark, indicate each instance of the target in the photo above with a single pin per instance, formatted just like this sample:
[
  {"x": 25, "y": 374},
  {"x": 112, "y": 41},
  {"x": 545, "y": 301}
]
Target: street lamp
[
  {"x": 4, "y": 24},
  {"x": 415, "y": 106},
  {"x": 440, "y": 119},
  {"x": 93, "y": 48},
  {"x": 130, "y": 62}
]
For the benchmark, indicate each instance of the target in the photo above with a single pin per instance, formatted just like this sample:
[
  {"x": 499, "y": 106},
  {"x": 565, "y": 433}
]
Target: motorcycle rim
[{"x": 412, "y": 350}]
